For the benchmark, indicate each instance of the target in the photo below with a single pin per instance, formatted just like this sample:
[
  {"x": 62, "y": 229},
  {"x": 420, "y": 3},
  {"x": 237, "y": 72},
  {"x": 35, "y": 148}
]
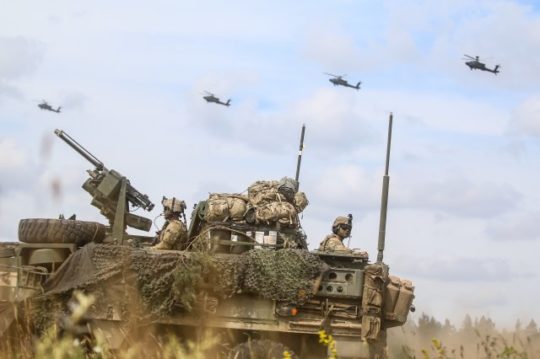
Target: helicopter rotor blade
[
  {"x": 329, "y": 74},
  {"x": 470, "y": 57}
]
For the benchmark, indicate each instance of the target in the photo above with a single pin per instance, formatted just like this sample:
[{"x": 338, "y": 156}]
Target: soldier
[
  {"x": 341, "y": 229},
  {"x": 173, "y": 235}
]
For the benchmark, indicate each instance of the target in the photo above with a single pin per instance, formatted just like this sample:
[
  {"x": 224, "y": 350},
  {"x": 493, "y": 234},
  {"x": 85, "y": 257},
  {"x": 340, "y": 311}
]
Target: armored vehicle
[{"x": 244, "y": 276}]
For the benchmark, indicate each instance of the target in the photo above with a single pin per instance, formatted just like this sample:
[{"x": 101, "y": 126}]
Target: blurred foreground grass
[{"x": 425, "y": 338}]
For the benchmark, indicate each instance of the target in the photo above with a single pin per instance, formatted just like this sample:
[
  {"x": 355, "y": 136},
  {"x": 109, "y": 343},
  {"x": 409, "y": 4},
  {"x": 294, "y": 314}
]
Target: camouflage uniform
[
  {"x": 173, "y": 235},
  {"x": 334, "y": 242}
]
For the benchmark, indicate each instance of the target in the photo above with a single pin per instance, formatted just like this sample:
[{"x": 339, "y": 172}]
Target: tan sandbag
[
  {"x": 224, "y": 206},
  {"x": 217, "y": 208},
  {"x": 262, "y": 192},
  {"x": 300, "y": 201},
  {"x": 237, "y": 207},
  {"x": 282, "y": 212}
]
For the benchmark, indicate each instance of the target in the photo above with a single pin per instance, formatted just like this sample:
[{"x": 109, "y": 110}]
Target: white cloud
[
  {"x": 511, "y": 228},
  {"x": 11, "y": 155},
  {"x": 20, "y": 57},
  {"x": 526, "y": 119},
  {"x": 9, "y": 91},
  {"x": 338, "y": 187},
  {"x": 131, "y": 93},
  {"x": 461, "y": 269},
  {"x": 461, "y": 197},
  {"x": 333, "y": 48}
]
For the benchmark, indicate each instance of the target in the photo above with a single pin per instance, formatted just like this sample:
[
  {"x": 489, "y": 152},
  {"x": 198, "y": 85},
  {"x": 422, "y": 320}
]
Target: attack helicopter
[
  {"x": 45, "y": 106},
  {"x": 339, "y": 81},
  {"x": 209, "y": 97},
  {"x": 475, "y": 64}
]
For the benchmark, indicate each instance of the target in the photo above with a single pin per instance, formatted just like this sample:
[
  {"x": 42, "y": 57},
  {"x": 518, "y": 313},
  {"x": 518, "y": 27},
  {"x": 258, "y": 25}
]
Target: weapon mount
[{"x": 112, "y": 193}]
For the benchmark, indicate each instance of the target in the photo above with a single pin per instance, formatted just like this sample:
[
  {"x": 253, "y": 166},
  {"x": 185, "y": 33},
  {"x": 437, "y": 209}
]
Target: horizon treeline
[{"x": 428, "y": 337}]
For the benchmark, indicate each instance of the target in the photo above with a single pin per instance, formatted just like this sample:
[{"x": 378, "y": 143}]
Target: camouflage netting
[
  {"x": 165, "y": 280},
  {"x": 285, "y": 275}
]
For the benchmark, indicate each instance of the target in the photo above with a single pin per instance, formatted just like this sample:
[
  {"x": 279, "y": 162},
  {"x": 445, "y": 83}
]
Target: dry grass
[
  {"x": 427, "y": 338},
  {"x": 479, "y": 339},
  {"x": 71, "y": 339}
]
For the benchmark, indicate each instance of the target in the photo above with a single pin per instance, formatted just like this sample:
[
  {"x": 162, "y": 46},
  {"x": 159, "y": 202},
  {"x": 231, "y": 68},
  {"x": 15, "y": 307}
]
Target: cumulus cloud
[
  {"x": 327, "y": 115},
  {"x": 11, "y": 155},
  {"x": 461, "y": 269},
  {"x": 461, "y": 197},
  {"x": 144, "y": 76},
  {"x": 16, "y": 171},
  {"x": 334, "y": 49},
  {"x": 526, "y": 118},
  {"x": 489, "y": 29},
  {"x": 431, "y": 37},
  {"x": 20, "y": 57},
  {"x": 348, "y": 186},
  {"x": 74, "y": 100},
  {"x": 9, "y": 91},
  {"x": 523, "y": 227}
]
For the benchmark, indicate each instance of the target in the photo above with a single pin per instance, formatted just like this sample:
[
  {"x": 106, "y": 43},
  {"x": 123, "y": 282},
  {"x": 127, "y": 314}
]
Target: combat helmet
[
  {"x": 173, "y": 204},
  {"x": 341, "y": 220},
  {"x": 288, "y": 187}
]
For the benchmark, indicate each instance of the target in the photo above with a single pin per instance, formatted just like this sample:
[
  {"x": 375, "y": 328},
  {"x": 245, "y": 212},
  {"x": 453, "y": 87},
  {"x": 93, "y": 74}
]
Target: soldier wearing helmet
[
  {"x": 341, "y": 229},
  {"x": 173, "y": 235}
]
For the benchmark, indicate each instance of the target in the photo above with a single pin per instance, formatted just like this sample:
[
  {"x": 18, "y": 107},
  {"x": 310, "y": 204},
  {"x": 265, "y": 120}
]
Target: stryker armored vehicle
[{"x": 244, "y": 276}]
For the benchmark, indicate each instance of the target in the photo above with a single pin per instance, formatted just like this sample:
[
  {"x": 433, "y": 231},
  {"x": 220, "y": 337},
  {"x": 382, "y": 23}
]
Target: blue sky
[{"x": 463, "y": 193}]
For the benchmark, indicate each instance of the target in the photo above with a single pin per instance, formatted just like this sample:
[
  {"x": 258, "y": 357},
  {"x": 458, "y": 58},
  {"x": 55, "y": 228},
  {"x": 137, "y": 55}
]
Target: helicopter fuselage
[
  {"x": 340, "y": 82},
  {"x": 477, "y": 65},
  {"x": 46, "y": 106},
  {"x": 214, "y": 99}
]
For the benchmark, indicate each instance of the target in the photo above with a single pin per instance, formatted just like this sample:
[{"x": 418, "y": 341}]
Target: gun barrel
[
  {"x": 138, "y": 199},
  {"x": 80, "y": 149}
]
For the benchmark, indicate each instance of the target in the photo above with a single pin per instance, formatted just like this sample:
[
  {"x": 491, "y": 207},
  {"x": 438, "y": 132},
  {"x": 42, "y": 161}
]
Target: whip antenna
[{"x": 384, "y": 197}]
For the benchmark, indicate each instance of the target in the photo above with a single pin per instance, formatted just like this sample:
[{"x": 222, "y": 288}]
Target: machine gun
[{"x": 112, "y": 193}]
